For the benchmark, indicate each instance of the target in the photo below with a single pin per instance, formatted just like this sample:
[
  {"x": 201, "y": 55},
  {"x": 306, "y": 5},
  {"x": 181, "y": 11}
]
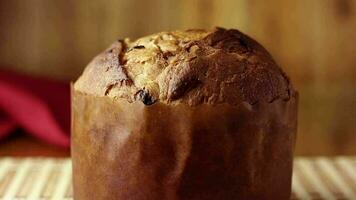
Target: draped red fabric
[{"x": 40, "y": 107}]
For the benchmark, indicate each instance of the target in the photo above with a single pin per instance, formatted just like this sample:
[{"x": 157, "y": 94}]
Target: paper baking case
[{"x": 132, "y": 151}]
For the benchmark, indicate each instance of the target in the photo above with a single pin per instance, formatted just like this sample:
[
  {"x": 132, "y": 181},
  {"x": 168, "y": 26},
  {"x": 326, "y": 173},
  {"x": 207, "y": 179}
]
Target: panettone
[{"x": 187, "y": 115}]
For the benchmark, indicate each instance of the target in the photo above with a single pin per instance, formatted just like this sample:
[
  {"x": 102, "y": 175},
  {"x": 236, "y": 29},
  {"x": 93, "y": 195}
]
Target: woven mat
[{"x": 45, "y": 178}]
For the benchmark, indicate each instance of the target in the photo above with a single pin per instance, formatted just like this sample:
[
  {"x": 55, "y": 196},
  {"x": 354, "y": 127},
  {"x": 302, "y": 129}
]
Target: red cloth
[{"x": 40, "y": 107}]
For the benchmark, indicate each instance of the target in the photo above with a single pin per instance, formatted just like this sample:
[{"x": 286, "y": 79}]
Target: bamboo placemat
[{"x": 46, "y": 178}]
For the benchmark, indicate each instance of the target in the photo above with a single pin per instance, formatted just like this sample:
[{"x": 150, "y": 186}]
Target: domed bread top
[{"x": 192, "y": 67}]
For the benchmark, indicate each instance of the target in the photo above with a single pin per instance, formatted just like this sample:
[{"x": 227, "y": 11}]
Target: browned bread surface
[{"x": 192, "y": 66}]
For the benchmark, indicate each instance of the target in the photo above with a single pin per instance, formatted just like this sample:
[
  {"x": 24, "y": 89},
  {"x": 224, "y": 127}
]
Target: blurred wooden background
[{"x": 313, "y": 40}]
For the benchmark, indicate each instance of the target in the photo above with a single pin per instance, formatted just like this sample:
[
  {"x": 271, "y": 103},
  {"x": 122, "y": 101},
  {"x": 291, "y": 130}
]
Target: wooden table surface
[{"x": 20, "y": 144}]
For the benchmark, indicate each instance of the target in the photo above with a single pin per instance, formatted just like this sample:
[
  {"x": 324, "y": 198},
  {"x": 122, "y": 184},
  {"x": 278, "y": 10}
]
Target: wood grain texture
[{"x": 314, "y": 42}]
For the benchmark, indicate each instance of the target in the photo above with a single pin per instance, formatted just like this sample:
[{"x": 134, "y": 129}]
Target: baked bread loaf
[{"x": 187, "y": 115}]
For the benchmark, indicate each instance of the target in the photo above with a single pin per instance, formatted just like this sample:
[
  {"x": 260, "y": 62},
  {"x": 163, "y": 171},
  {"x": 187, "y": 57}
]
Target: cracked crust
[{"x": 193, "y": 67}]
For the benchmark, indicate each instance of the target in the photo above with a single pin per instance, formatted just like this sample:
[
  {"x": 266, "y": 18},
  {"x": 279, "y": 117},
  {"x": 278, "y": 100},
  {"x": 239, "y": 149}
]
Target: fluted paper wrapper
[{"x": 131, "y": 151}]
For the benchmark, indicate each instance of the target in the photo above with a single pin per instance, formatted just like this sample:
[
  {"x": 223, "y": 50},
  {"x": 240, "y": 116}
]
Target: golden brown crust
[{"x": 193, "y": 66}]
